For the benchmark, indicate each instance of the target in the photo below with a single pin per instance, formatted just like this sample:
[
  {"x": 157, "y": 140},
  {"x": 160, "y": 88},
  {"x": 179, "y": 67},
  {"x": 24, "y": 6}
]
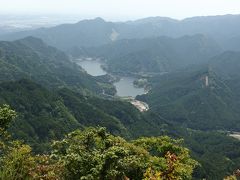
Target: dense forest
[
  {"x": 59, "y": 122},
  {"x": 93, "y": 154}
]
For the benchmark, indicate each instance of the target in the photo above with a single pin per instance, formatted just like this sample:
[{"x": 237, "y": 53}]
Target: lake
[
  {"x": 124, "y": 87},
  {"x": 92, "y": 67}
]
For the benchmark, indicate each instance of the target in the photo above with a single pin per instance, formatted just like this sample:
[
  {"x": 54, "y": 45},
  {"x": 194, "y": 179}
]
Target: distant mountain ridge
[
  {"x": 97, "y": 32},
  {"x": 160, "y": 54}
]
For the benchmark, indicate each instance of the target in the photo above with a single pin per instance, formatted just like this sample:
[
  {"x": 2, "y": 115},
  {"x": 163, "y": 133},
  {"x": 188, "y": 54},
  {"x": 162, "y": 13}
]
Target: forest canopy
[{"x": 93, "y": 153}]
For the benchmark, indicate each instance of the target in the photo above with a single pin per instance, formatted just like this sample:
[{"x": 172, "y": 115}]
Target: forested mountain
[
  {"x": 31, "y": 58},
  {"x": 45, "y": 115},
  {"x": 41, "y": 115},
  {"x": 204, "y": 97},
  {"x": 226, "y": 65},
  {"x": 67, "y": 36},
  {"x": 193, "y": 82},
  {"x": 223, "y": 29},
  {"x": 161, "y": 54},
  {"x": 93, "y": 153}
]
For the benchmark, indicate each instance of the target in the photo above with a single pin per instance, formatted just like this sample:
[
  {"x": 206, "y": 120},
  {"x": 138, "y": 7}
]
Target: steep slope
[
  {"x": 155, "y": 54},
  {"x": 227, "y": 65},
  {"x": 195, "y": 99},
  {"x": 32, "y": 58},
  {"x": 42, "y": 116},
  {"x": 45, "y": 115},
  {"x": 88, "y": 114}
]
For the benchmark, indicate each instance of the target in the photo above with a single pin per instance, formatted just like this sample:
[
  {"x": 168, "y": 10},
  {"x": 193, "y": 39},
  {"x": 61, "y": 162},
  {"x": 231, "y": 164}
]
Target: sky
[{"x": 122, "y": 9}]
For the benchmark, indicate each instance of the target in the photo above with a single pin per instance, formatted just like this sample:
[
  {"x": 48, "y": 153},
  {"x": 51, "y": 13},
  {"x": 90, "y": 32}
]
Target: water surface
[
  {"x": 92, "y": 67},
  {"x": 125, "y": 87}
]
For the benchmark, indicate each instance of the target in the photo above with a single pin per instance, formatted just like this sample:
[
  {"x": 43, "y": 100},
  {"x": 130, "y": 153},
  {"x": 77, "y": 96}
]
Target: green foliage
[
  {"x": 217, "y": 153},
  {"x": 95, "y": 154},
  {"x": 33, "y": 59},
  {"x": 46, "y": 168},
  {"x": 232, "y": 177},
  {"x": 178, "y": 99},
  {"x": 177, "y": 158},
  {"x": 6, "y": 116},
  {"x": 42, "y": 116},
  {"x": 88, "y": 113},
  {"x": 17, "y": 162},
  {"x": 184, "y": 99}
]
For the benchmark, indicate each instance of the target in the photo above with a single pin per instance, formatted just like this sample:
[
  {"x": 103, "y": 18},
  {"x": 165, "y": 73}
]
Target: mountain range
[
  {"x": 87, "y": 33},
  {"x": 191, "y": 68},
  {"x": 153, "y": 55}
]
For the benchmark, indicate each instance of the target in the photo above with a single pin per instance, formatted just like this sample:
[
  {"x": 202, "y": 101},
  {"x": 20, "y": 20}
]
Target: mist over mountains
[
  {"x": 189, "y": 69},
  {"x": 223, "y": 29}
]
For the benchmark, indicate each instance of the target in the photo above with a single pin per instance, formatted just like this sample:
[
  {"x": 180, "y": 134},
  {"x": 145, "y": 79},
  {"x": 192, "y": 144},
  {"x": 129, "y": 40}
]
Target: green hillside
[
  {"x": 33, "y": 59},
  {"x": 154, "y": 55},
  {"x": 193, "y": 95},
  {"x": 184, "y": 97},
  {"x": 42, "y": 116},
  {"x": 45, "y": 115}
]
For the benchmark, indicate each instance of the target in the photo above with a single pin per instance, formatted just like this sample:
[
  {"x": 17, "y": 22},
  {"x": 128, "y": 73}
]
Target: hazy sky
[{"x": 123, "y": 9}]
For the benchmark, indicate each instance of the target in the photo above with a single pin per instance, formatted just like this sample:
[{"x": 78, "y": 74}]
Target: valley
[
  {"x": 125, "y": 88},
  {"x": 99, "y": 86}
]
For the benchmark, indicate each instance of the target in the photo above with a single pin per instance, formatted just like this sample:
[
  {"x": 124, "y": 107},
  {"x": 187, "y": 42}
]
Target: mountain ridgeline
[
  {"x": 225, "y": 30},
  {"x": 154, "y": 55},
  {"x": 189, "y": 67},
  {"x": 200, "y": 97},
  {"x": 32, "y": 58}
]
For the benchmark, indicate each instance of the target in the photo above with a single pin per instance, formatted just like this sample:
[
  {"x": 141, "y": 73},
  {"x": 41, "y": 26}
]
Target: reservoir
[
  {"x": 92, "y": 67},
  {"x": 124, "y": 87}
]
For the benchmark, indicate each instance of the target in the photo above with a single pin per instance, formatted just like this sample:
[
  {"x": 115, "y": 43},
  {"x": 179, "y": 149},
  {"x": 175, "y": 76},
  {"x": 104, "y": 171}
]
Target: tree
[
  {"x": 173, "y": 161},
  {"x": 17, "y": 161},
  {"x": 6, "y": 117},
  {"x": 95, "y": 154}
]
